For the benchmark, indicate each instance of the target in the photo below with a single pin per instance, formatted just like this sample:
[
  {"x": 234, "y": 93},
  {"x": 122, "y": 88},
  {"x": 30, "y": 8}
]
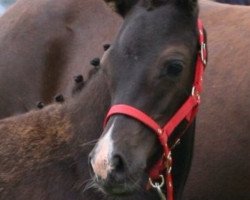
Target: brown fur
[
  {"x": 221, "y": 168},
  {"x": 43, "y": 44},
  {"x": 43, "y": 153},
  {"x": 29, "y": 140}
]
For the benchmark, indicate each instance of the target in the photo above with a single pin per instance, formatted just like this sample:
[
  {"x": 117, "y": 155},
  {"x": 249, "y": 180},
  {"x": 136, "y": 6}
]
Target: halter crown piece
[{"x": 187, "y": 111}]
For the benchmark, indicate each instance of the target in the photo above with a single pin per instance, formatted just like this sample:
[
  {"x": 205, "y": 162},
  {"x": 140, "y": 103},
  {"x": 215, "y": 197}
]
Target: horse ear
[
  {"x": 189, "y": 5},
  {"x": 121, "y": 6}
]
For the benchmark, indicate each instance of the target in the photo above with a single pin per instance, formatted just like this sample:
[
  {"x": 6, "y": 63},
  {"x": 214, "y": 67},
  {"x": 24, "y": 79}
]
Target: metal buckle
[
  {"x": 158, "y": 186},
  {"x": 203, "y": 51}
]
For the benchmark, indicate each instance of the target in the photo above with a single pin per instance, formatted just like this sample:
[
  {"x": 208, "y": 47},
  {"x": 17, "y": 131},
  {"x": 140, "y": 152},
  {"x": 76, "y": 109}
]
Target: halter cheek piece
[{"x": 187, "y": 111}]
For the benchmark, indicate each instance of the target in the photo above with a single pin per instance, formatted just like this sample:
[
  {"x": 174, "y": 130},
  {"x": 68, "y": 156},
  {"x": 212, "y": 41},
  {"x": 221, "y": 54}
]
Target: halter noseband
[{"x": 187, "y": 111}]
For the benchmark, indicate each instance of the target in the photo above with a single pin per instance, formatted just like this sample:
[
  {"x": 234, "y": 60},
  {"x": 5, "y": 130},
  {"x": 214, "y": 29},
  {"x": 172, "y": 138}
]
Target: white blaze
[{"x": 101, "y": 161}]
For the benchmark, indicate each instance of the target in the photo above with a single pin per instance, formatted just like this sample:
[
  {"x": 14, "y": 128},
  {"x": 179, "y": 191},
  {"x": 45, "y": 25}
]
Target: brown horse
[
  {"x": 153, "y": 56},
  {"x": 44, "y": 44},
  {"x": 210, "y": 175},
  {"x": 224, "y": 120}
]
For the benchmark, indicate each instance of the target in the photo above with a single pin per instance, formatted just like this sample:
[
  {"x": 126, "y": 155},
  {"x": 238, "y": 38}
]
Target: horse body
[
  {"x": 43, "y": 153},
  {"x": 44, "y": 44},
  {"x": 220, "y": 168}
]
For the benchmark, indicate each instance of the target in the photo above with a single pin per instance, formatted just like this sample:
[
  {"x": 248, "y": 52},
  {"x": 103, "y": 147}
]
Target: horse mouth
[{"x": 119, "y": 189}]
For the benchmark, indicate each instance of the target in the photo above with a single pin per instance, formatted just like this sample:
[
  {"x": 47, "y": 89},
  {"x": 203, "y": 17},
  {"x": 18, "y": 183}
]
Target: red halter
[{"x": 187, "y": 111}]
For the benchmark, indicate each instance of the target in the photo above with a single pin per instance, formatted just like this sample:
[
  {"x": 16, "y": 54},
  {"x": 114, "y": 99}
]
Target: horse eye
[{"x": 172, "y": 69}]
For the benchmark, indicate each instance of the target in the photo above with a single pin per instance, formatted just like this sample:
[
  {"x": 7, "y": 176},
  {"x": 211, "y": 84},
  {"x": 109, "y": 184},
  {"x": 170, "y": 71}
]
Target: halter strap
[{"x": 187, "y": 111}]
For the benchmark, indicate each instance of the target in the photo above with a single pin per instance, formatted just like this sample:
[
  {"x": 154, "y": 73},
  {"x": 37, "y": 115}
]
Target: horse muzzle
[{"x": 112, "y": 174}]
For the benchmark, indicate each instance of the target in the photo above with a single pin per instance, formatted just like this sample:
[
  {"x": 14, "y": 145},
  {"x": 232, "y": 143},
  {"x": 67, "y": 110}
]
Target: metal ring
[{"x": 157, "y": 184}]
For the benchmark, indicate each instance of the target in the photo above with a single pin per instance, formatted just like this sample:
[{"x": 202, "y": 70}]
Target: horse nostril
[
  {"x": 118, "y": 169},
  {"x": 118, "y": 164}
]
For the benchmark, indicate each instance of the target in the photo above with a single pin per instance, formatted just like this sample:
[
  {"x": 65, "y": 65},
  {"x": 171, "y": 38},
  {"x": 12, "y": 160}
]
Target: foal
[{"x": 43, "y": 154}]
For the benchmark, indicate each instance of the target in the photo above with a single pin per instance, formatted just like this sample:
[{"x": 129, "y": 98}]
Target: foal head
[{"x": 150, "y": 66}]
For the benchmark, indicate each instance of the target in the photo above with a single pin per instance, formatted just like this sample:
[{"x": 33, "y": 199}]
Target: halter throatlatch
[{"x": 187, "y": 111}]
